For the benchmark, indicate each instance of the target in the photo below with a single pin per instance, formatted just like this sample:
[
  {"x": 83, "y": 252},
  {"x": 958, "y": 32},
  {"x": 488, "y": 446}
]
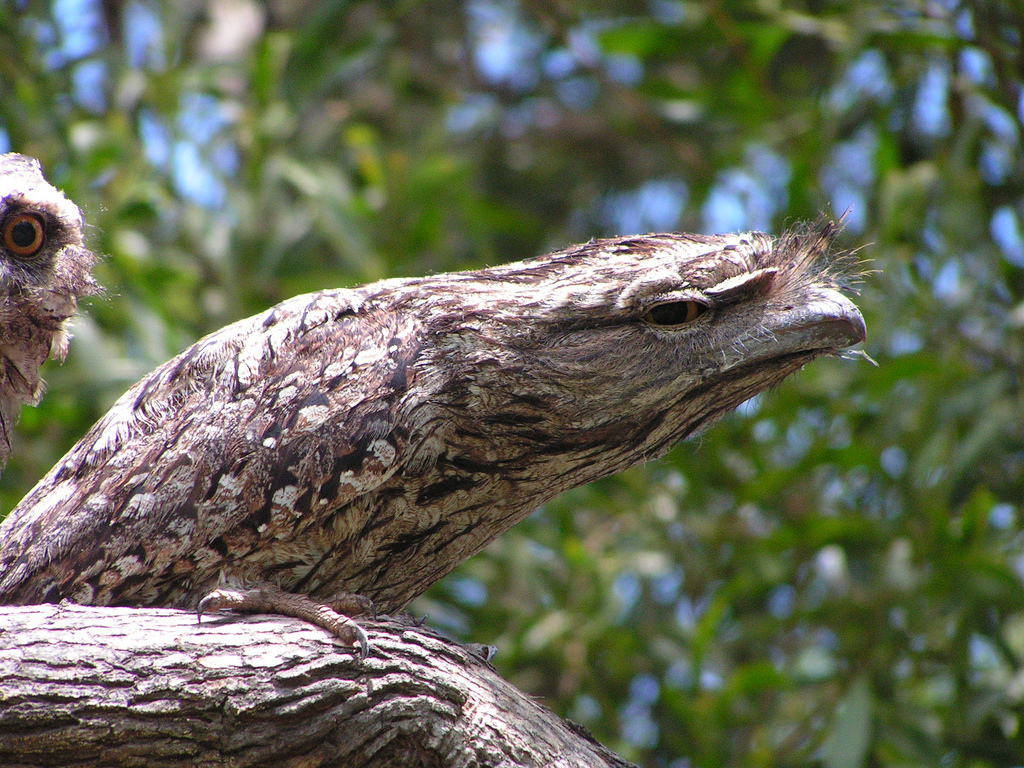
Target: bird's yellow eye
[
  {"x": 24, "y": 234},
  {"x": 673, "y": 313}
]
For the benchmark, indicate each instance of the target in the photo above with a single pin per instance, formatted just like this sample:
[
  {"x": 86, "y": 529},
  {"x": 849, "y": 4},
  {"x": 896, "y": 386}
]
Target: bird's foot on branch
[{"x": 333, "y": 615}]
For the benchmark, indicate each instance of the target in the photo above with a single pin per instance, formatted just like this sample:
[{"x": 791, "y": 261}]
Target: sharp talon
[
  {"x": 485, "y": 652},
  {"x": 364, "y": 642},
  {"x": 349, "y": 630},
  {"x": 203, "y": 604},
  {"x": 214, "y": 601}
]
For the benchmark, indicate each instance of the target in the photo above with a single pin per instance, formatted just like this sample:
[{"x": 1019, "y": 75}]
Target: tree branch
[{"x": 82, "y": 685}]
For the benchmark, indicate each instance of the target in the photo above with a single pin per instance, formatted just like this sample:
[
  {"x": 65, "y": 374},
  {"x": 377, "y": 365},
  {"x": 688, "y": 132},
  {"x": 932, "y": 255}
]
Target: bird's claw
[{"x": 332, "y": 616}]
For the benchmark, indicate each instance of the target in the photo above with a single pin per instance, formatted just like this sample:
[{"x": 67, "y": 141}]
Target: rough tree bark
[{"x": 102, "y": 686}]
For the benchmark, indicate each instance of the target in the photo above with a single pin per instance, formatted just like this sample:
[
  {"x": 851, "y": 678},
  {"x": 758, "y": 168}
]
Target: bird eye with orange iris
[
  {"x": 675, "y": 313},
  {"x": 24, "y": 234}
]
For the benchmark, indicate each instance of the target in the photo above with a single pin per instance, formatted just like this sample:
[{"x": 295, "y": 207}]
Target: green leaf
[{"x": 847, "y": 744}]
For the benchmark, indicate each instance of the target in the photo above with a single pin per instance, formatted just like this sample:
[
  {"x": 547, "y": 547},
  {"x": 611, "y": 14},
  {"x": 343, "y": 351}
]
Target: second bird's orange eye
[{"x": 24, "y": 234}]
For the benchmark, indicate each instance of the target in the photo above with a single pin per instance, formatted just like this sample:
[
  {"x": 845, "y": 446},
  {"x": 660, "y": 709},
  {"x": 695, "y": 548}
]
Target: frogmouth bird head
[
  {"x": 649, "y": 338},
  {"x": 44, "y": 269}
]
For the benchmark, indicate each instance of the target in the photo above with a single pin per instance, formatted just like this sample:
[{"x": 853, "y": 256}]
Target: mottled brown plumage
[
  {"x": 367, "y": 441},
  {"x": 44, "y": 268}
]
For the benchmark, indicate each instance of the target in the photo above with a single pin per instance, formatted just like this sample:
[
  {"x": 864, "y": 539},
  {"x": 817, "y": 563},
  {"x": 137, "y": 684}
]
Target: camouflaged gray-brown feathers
[
  {"x": 44, "y": 268},
  {"x": 370, "y": 440}
]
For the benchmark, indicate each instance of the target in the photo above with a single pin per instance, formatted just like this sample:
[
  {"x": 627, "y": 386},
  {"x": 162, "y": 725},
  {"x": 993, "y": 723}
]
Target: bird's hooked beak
[
  {"x": 825, "y": 322},
  {"x": 828, "y": 320}
]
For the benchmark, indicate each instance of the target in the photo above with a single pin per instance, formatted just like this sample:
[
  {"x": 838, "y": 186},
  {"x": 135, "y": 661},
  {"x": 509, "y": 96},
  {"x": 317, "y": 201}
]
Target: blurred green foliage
[{"x": 833, "y": 576}]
